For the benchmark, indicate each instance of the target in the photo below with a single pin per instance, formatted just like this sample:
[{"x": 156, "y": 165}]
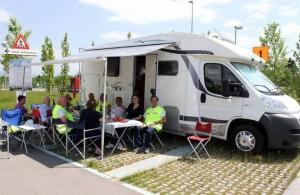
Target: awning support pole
[
  {"x": 104, "y": 110},
  {"x": 23, "y": 84}
]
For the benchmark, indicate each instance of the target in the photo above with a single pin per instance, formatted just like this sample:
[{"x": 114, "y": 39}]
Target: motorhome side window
[
  {"x": 214, "y": 76},
  {"x": 167, "y": 68},
  {"x": 113, "y": 66}
]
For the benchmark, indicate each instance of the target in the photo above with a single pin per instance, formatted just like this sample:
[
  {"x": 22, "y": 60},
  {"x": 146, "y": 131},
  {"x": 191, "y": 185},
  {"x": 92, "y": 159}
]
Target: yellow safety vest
[
  {"x": 154, "y": 115},
  {"x": 100, "y": 105},
  {"x": 62, "y": 128}
]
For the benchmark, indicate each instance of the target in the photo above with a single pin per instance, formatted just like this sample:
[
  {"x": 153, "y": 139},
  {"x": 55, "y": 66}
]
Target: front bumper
[{"x": 283, "y": 130}]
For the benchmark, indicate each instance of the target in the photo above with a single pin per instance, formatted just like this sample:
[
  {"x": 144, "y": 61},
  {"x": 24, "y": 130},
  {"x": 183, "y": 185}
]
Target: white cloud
[
  {"x": 117, "y": 35},
  {"x": 289, "y": 10},
  {"x": 232, "y": 22},
  {"x": 4, "y": 16},
  {"x": 258, "y": 10},
  {"x": 150, "y": 11},
  {"x": 291, "y": 28}
]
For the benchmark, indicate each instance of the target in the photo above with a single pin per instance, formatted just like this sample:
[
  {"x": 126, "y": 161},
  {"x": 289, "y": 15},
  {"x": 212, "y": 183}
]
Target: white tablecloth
[
  {"x": 3, "y": 123},
  {"x": 31, "y": 127},
  {"x": 111, "y": 126}
]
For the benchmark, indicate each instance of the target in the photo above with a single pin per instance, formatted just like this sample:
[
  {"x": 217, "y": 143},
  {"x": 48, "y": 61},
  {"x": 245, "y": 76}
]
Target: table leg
[
  {"x": 42, "y": 138},
  {"x": 23, "y": 141},
  {"x": 119, "y": 140},
  {"x": 7, "y": 136}
]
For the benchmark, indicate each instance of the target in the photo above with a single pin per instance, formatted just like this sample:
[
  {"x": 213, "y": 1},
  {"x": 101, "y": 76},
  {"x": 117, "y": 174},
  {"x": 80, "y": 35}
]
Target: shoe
[
  {"x": 109, "y": 145},
  {"x": 140, "y": 150},
  {"x": 97, "y": 152},
  {"x": 135, "y": 150},
  {"x": 147, "y": 150},
  {"x": 121, "y": 147}
]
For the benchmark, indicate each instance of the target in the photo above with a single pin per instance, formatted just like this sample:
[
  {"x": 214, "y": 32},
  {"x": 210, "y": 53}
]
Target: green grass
[
  {"x": 229, "y": 164},
  {"x": 8, "y": 98}
]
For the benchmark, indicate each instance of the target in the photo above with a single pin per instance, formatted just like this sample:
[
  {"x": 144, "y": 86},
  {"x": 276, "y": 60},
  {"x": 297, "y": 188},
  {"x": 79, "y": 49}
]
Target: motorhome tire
[{"x": 247, "y": 138}]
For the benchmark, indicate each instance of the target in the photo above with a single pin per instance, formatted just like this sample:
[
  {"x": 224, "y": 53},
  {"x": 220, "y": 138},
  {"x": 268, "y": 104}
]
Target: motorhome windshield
[{"x": 257, "y": 79}]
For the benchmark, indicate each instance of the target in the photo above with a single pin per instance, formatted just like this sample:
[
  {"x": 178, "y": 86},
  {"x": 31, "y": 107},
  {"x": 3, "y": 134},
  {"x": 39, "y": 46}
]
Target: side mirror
[{"x": 234, "y": 89}]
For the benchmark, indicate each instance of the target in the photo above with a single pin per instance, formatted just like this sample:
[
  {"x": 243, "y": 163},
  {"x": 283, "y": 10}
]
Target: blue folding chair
[{"x": 13, "y": 118}]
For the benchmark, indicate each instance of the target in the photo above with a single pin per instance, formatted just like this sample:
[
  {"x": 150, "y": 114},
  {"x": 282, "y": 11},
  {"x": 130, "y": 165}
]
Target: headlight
[{"x": 273, "y": 105}]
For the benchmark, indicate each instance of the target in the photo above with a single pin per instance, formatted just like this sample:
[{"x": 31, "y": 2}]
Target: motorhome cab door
[{"x": 214, "y": 106}]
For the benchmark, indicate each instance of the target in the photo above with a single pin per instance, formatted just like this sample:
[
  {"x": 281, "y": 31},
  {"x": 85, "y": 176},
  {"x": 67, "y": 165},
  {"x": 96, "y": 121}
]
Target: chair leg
[
  {"x": 162, "y": 145},
  {"x": 66, "y": 144},
  {"x": 84, "y": 144},
  {"x": 194, "y": 149},
  {"x": 203, "y": 146}
]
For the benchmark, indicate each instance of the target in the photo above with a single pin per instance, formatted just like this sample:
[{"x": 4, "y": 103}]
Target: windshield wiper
[
  {"x": 268, "y": 90},
  {"x": 276, "y": 90}
]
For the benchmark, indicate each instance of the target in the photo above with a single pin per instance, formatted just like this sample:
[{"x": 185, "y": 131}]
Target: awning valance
[{"x": 100, "y": 54}]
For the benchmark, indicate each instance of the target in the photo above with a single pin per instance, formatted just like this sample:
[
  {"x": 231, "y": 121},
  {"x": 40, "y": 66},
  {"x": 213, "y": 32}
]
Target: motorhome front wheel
[{"x": 247, "y": 138}]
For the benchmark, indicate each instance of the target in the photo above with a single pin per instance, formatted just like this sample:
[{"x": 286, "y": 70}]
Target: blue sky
[{"x": 110, "y": 20}]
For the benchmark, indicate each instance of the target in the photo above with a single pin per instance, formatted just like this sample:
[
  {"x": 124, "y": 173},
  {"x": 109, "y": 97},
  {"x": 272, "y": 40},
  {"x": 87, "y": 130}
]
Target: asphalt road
[{"x": 40, "y": 174}]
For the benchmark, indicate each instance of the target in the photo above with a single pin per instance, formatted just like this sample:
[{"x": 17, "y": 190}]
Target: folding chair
[
  {"x": 37, "y": 119},
  {"x": 14, "y": 119},
  {"x": 204, "y": 129},
  {"x": 86, "y": 138},
  {"x": 57, "y": 135},
  {"x": 157, "y": 137}
]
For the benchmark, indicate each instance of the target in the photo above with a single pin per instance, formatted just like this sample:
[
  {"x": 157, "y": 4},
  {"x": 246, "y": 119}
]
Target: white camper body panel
[
  {"x": 182, "y": 92},
  {"x": 176, "y": 91}
]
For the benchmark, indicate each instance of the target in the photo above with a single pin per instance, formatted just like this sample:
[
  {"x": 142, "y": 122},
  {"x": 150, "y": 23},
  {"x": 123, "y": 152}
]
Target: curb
[
  {"x": 150, "y": 163},
  {"x": 294, "y": 187}
]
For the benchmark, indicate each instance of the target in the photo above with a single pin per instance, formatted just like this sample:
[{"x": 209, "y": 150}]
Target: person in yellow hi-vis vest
[
  {"x": 154, "y": 118},
  {"x": 72, "y": 103},
  {"x": 100, "y": 105},
  {"x": 63, "y": 119}
]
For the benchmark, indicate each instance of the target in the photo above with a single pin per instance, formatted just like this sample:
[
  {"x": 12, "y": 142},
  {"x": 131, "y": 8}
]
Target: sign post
[{"x": 19, "y": 75}]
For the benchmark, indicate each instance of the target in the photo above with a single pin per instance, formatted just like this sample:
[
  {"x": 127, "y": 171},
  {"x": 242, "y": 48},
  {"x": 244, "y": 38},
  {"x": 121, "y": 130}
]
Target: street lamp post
[
  {"x": 192, "y": 20},
  {"x": 239, "y": 27}
]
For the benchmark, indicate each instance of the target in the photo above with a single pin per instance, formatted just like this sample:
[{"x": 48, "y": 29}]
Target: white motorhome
[{"x": 197, "y": 78}]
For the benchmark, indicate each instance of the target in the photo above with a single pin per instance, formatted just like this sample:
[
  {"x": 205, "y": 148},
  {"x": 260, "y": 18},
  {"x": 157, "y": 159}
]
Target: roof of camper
[{"x": 187, "y": 42}]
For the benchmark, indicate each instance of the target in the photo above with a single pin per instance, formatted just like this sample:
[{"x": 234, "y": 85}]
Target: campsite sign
[
  {"x": 20, "y": 47},
  {"x": 20, "y": 43}
]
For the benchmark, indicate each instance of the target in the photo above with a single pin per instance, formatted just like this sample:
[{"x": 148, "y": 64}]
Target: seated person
[
  {"x": 92, "y": 97},
  {"x": 91, "y": 119},
  {"x": 118, "y": 110},
  {"x": 63, "y": 118},
  {"x": 44, "y": 109},
  {"x": 135, "y": 111},
  {"x": 71, "y": 103},
  {"x": 100, "y": 105},
  {"x": 21, "y": 105},
  {"x": 154, "y": 118}
]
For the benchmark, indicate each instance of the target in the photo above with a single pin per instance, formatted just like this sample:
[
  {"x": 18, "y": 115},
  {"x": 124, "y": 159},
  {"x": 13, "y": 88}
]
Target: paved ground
[
  {"x": 39, "y": 173},
  {"x": 225, "y": 173},
  {"x": 123, "y": 158},
  {"x": 148, "y": 164}
]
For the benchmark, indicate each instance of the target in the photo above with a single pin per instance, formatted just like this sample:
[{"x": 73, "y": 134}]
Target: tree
[
  {"x": 275, "y": 68},
  {"x": 296, "y": 81},
  {"x": 48, "y": 70},
  {"x": 297, "y": 53},
  {"x": 14, "y": 29},
  {"x": 65, "y": 51}
]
